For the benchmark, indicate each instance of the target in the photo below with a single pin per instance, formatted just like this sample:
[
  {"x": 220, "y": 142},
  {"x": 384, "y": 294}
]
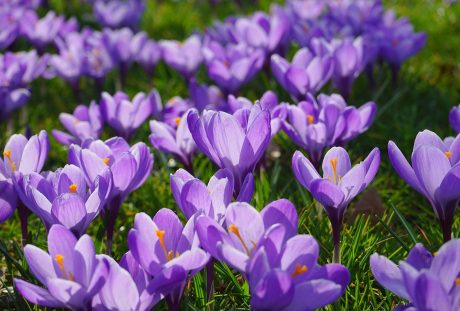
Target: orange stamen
[
  {"x": 448, "y": 154},
  {"x": 106, "y": 161},
  {"x": 299, "y": 269},
  {"x": 161, "y": 237},
  {"x": 334, "y": 169},
  {"x": 234, "y": 229},
  {"x": 60, "y": 261},
  {"x": 457, "y": 282},
  {"x": 7, "y": 155},
  {"x": 310, "y": 119},
  {"x": 73, "y": 188},
  {"x": 177, "y": 121}
]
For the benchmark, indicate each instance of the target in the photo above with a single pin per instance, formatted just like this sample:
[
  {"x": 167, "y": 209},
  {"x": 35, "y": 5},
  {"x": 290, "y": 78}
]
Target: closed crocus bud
[
  {"x": 454, "y": 118},
  {"x": 41, "y": 32},
  {"x": 118, "y": 14}
]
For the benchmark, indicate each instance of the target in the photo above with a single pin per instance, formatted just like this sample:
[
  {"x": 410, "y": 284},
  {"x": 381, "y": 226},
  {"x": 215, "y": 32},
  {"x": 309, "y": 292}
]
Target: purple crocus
[
  {"x": 328, "y": 121},
  {"x": 235, "y": 142},
  {"x": 454, "y": 118},
  {"x": 130, "y": 167},
  {"x": 428, "y": 282},
  {"x": 119, "y": 13},
  {"x": 125, "y": 116},
  {"x": 41, "y": 32},
  {"x": 175, "y": 140},
  {"x": 237, "y": 239},
  {"x": 206, "y": 96},
  {"x": 433, "y": 173},
  {"x": 10, "y": 17},
  {"x": 232, "y": 66},
  {"x": 194, "y": 196},
  {"x": 97, "y": 59},
  {"x": 339, "y": 185},
  {"x": 20, "y": 156},
  {"x": 185, "y": 57},
  {"x": 71, "y": 271},
  {"x": 163, "y": 242},
  {"x": 128, "y": 287},
  {"x": 307, "y": 73},
  {"x": 85, "y": 123},
  {"x": 62, "y": 197},
  {"x": 146, "y": 52},
  {"x": 287, "y": 276}
]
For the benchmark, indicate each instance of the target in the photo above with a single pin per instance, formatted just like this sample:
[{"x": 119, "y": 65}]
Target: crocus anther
[
  {"x": 177, "y": 121},
  {"x": 73, "y": 188},
  {"x": 169, "y": 255},
  {"x": 310, "y": 119},
  {"x": 448, "y": 154},
  {"x": 7, "y": 154},
  {"x": 106, "y": 161},
  {"x": 299, "y": 269},
  {"x": 457, "y": 282},
  {"x": 60, "y": 261},
  {"x": 234, "y": 229}
]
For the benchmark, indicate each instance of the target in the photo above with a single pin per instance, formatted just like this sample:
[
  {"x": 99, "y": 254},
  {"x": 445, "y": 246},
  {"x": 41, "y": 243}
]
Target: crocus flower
[
  {"x": 146, "y": 52},
  {"x": 205, "y": 96},
  {"x": 288, "y": 277},
  {"x": 126, "y": 116},
  {"x": 433, "y": 173},
  {"x": 41, "y": 32},
  {"x": 10, "y": 17},
  {"x": 163, "y": 242},
  {"x": 85, "y": 123},
  {"x": 306, "y": 9},
  {"x": 71, "y": 271},
  {"x": 233, "y": 142},
  {"x": 128, "y": 287},
  {"x": 23, "y": 156},
  {"x": 306, "y": 74},
  {"x": 232, "y": 66},
  {"x": 428, "y": 282},
  {"x": 119, "y": 13},
  {"x": 327, "y": 121},
  {"x": 236, "y": 240},
  {"x": 97, "y": 59},
  {"x": 454, "y": 118},
  {"x": 185, "y": 57},
  {"x": 192, "y": 195},
  {"x": 175, "y": 140},
  {"x": 62, "y": 197},
  {"x": 130, "y": 167},
  {"x": 339, "y": 185}
]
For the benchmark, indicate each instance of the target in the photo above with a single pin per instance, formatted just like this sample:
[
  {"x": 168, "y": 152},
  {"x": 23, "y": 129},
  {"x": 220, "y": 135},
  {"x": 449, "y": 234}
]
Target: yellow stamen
[
  {"x": 310, "y": 119},
  {"x": 435, "y": 254},
  {"x": 73, "y": 188},
  {"x": 448, "y": 154},
  {"x": 60, "y": 261},
  {"x": 234, "y": 229},
  {"x": 161, "y": 237},
  {"x": 334, "y": 169},
  {"x": 106, "y": 161},
  {"x": 299, "y": 269},
  {"x": 170, "y": 255},
  {"x": 457, "y": 282},
  {"x": 177, "y": 121},
  {"x": 7, "y": 155}
]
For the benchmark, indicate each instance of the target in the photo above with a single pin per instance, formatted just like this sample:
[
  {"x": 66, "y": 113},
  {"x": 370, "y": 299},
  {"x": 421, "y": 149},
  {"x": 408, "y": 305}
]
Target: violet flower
[
  {"x": 175, "y": 108},
  {"x": 62, "y": 197},
  {"x": 454, "y": 118},
  {"x": 236, "y": 240},
  {"x": 288, "y": 277},
  {"x": 428, "y": 282},
  {"x": 85, "y": 123},
  {"x": 41, "y": 32},
  {"x": 206, "y": 97},
  {"x": 231, "y": 66},
  {"x": 97, "y": 58},
  {"x": 306, "y": 74},
  {"x": 185, "y": 57},
  {"x": 163, "y": 242},
  {"x": 71, "y": 272},
  {"x": 146, "y": 52},
  {"x": 10, "y": 17},
  {"x": 125, "y": 116},
  {"x": 433, "y": 173},
  {"x": 233, "y": 142},
  {"x": 130, "y": 167},
  {"x": 339, "y": 185},
  {"x": 119, "y": 13},
  {"x": 175, "y": 140}
]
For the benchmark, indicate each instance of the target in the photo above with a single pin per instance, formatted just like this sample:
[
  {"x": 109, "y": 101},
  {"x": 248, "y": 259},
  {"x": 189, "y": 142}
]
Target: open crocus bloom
[
  {"x": 126, "y": 116},
  {"x": 175, "y": 140},
  {"x": 163, "y": 242},
  {"x": 339, "y": 184},
  {"x": 117, "y": 14},
  {"x": 235, "y": 142},
  {"x": 84, "y": 123},
  {"x": 71, "y": 271},
  {"x": 62, "y": 197},
  {"x": 128, "y": 287},
  {"x": 23, "y": 156},
  {"x": 192, "y": 195},
  {"x": 306, "y": 74},
  {"x": 428, "y": 282},
  {"x": 235, "y": 241},
  {"x": 435, "y": 173},
  {"x": 288, "y": 277}
]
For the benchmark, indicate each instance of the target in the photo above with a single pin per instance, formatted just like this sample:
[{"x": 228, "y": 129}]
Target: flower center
[
  {"x": 60, "y": 261},
  {"x": 448, "y": 154},
  {"x": 7, "y": 155},
  {"x": 299, "y": 269},
  {"x": 234, "y": 229},
  {"x": 457, "y": 282},
  {"x": 310, "y": 119},
  {"x": 106, "y": 161},
  {"x": 335, "y": 177},
  {"x": 177, "y": 121},
  {"x": 161, "y": 236},
  {"x": 73, "y": 188}
]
